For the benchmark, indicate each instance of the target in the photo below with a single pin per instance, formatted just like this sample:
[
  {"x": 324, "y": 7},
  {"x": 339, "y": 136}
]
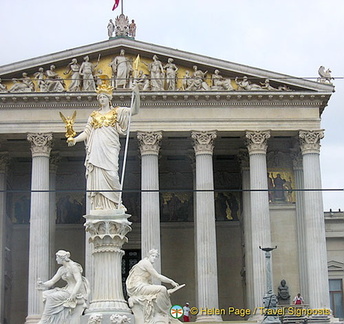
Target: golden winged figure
[{"x": 69, "y": 123}]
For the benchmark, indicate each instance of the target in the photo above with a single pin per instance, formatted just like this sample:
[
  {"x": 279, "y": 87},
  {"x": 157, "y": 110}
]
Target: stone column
[
  {"x": 54, "y": 161},
  {"x": 260, "y": 218},
  {"x": 300, "y": 221},
  {"x": 3, "y": 175},
  {"x": 107, "y": 229},
  {"x": 39, "y": 221},
  {"x": 150, "y": 206},
  {"x": 318, "y": 288},
  {"x": 89, "y": 260},
  {"x": 205, "y": 231},
  {"x": 246, "y": 211}
]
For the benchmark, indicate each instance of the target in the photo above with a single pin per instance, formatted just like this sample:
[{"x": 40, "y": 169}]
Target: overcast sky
[{"x": 293, "y": 37}]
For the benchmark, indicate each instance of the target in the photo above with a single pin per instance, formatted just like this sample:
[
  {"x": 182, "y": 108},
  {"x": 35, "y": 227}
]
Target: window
[{"x": 336, "y": 297}]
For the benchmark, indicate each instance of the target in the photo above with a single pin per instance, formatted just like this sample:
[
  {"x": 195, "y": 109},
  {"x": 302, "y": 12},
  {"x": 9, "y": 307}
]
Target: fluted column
[
  {"x": 300, "y": 221},
  {"x": 150, "y": 207},
  {"x": 246, "y": 211},
  {"x": 318, "y": 288},
  {"x": 39, "y": 221},
  {"x": 3, "y": 172},
  {"x": 89, "y": 260},
  {"x": 54, "y": 161},
  {"x": 260, "y": 218},
  {"x": 205, "y": 231}
]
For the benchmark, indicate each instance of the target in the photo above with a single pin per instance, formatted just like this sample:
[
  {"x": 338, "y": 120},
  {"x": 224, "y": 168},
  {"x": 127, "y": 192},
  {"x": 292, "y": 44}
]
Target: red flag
[{"x": 115, "y": 5}]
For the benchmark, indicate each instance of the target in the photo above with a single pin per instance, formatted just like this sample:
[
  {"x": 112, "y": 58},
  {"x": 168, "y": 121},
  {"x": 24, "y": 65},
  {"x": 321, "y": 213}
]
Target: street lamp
[{"x": 270, "y": 299}]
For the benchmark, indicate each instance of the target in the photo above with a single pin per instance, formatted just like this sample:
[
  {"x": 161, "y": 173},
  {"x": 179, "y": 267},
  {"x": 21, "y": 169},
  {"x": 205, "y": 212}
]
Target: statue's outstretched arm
[
  {"x": 48, "y": 284},
  {"x": 157, "y": 275},
  {"x": 81, "y": 137}
]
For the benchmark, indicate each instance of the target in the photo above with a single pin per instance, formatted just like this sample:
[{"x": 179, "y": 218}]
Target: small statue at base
[
  {"x": 64, "y": 305},
  {"x": 283, "y": 293},
  {"x": 150, "y": 303}
]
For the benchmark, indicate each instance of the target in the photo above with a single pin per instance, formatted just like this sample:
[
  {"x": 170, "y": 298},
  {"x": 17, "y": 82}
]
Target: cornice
[{"x": 169, "y": 99}]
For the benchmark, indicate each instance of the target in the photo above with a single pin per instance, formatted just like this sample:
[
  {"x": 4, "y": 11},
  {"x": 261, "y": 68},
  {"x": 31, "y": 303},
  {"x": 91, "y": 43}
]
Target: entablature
[{"x": 168, "y": 99}]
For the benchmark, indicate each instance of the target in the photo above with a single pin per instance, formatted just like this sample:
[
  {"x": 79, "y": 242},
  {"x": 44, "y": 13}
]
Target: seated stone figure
[
  {"x": 64, "y": 305},
  {"x": 283, "y": 293},
  {"x": 150, "y": 303}
]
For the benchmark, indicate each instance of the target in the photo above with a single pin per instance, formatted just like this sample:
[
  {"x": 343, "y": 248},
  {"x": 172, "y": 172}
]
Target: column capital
[
  {"x": 149, "y": 142},
  {"x": 310, "y": 140},
  {"x": 106, "y": 233},
  {"x": 4, "y": 161},
  {"x": 203, "y": 141},
  {"x": 41, "y": 143},
  {"x": 256, "y": 141}
]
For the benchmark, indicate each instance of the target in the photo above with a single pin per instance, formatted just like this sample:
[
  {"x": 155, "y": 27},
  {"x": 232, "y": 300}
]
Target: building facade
[{"x": 222, "y": 159}]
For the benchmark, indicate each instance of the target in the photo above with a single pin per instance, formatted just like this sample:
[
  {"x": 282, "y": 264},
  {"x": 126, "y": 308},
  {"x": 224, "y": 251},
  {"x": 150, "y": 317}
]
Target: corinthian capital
[
  {"x": 149, "y": 142},
  {"x": 41, "y": 143},
  {"x": 310, "y": 141},
  {"x": 203, "y": 142},
  {"x": 256, "y": 141},
  {"x": 107, "y": 235}
]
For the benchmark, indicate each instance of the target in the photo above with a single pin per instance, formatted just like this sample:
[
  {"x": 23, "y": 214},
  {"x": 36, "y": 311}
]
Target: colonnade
[{"x": 309, "y": 213}]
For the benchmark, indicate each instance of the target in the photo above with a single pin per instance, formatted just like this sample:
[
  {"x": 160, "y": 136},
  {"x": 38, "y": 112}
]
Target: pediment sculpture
[{"x": 125, "y": 71}]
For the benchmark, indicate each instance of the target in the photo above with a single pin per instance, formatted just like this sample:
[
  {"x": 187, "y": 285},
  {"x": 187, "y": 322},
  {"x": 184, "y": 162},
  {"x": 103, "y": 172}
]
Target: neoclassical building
[{"x": 222, "y": 159}]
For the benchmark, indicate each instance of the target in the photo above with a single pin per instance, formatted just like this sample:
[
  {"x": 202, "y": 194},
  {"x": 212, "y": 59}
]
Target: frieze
[
  {"x": 125, "y": 71},
  {"x": 151, "y": 68}
]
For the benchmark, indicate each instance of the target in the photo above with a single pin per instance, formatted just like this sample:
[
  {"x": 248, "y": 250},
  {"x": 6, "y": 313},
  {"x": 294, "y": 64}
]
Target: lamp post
[{"x": 270, "y": 299}]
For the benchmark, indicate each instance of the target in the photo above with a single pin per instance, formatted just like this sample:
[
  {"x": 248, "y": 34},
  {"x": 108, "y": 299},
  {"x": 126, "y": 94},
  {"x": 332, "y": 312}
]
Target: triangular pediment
[
  {"x": 335, "y": 266},
  {"x": 230, "y": 77}
]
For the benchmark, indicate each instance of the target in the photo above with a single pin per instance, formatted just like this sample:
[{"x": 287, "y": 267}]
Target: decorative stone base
[{"x": 106, "y": 317}]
